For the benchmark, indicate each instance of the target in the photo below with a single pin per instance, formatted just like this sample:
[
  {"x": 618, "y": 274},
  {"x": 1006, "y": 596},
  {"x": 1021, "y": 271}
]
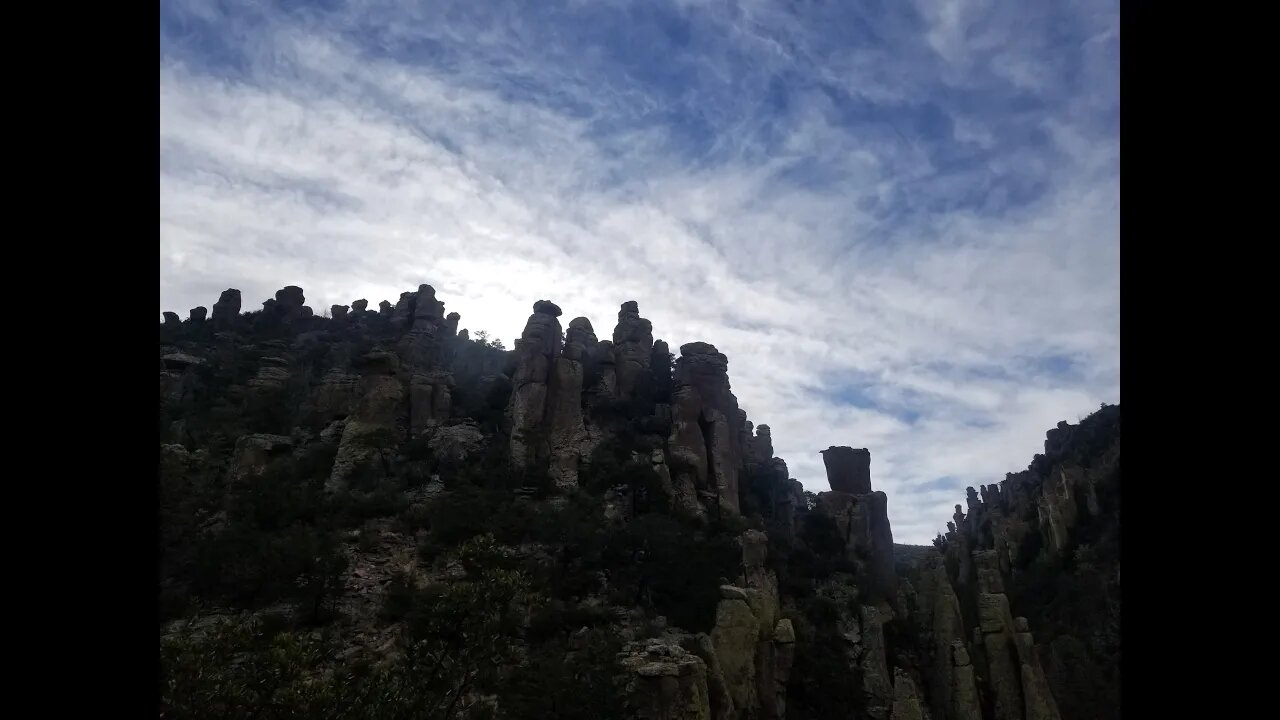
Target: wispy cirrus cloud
[{"x": 899, "y": 221}]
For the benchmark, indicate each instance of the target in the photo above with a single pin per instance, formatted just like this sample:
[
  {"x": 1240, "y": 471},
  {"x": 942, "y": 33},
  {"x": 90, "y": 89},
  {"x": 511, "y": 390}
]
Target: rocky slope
[{"x": 372, "y": 514}]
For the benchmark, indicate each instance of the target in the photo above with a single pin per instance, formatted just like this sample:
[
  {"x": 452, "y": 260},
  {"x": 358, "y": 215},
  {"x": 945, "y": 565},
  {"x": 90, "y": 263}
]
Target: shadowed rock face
[
  {"x": 567, "y": 432},
  {"x": 632, "y": 347},
  {"x": 430, "y": 400},
  {"x": 848, "y": 470},
  {"x": 862, "y": 517},
  {"x": 402, "y": 313},
  {"x": 536, "y": 352},
  {"x": 359, "y": 306},
  {"x": 289, "y": 301},
  {"x": 424, "y": 346},
  {"x": 227, "y": 309},
  {"x": 546, "y": 307},
  {"x": 171, "y": 318},
  {"x": 377, "y": 416},
  {"x": 1001, "y": 549},
  {"x": 198, "y": 314},
  {"x": 660, "y": 680},
  {"x": 706, "y": 429}
]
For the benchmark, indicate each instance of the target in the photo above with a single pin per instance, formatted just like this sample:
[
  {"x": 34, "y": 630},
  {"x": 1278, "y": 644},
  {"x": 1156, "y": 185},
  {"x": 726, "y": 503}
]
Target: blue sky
[{"x": 899, "y": 220}]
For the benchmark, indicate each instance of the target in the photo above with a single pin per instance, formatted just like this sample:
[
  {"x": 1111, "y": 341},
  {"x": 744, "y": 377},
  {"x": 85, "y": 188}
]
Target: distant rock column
[
  {"x": 227, "y": 309},
  {"x": 564, "y": 410},
  {"x": 632, "y": 346},
  {"x": 760, "y": 447},
  {"x": 687, "y": 454},
  {"x": 536, "y": 351},
  {"x": 420, "y": 316},
  {"x": 704, "y": 439}
]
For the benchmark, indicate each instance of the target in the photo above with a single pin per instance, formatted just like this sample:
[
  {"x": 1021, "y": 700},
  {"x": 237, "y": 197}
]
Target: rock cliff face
[
  {"x": 1037, "y": 552},
  {"x": 647, "y": 554}
]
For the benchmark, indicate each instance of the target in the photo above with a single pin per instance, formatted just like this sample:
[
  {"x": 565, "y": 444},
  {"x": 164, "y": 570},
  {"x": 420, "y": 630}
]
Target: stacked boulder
[{"x": 862, "y": 515}]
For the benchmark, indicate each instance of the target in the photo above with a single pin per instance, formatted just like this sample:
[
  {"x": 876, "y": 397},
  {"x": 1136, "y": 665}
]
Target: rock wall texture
[{"x": 1026, "y": 588}]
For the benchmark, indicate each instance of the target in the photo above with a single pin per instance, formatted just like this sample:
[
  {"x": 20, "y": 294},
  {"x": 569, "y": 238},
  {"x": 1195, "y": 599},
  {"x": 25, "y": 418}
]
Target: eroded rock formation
[
  {"x": 566, "y": 429},
  {"x": 536, "y": 352},
  {"x": 862, "y": 518},
  {"x": 706, "y": 426},
  {"x": 951, "y": 639},
  {"x": 374, "y": 425},
  {"x": 848, "y": 470},
  {"x": 990, "y": 576},
  {"x": 632, "y": 347},
  {"x": 227, "y": 309}
]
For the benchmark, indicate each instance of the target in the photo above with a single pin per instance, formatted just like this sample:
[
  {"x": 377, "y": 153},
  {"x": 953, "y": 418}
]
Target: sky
[{"x": 899, "y": 220}]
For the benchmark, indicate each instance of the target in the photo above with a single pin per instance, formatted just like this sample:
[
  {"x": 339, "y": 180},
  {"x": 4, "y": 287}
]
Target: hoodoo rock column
[{"x": 536, "y": 351}]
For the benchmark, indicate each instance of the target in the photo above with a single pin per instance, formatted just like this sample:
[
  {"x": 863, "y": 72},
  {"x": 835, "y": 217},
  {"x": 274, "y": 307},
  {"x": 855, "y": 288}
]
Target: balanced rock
[
  {"x": 848, "y": 470},
  {"x": 546, "y": 307}
]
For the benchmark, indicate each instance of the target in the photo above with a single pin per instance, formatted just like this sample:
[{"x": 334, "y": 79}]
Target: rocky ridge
[{"x": 932, "y": 636}]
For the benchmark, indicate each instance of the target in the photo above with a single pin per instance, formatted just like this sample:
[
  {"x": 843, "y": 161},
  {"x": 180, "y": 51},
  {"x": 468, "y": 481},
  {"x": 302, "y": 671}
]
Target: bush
[
  {"x": 397, "y": 598},
  {"x": 566, "y": 679},
  {"x": 660, "y": 564}
]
